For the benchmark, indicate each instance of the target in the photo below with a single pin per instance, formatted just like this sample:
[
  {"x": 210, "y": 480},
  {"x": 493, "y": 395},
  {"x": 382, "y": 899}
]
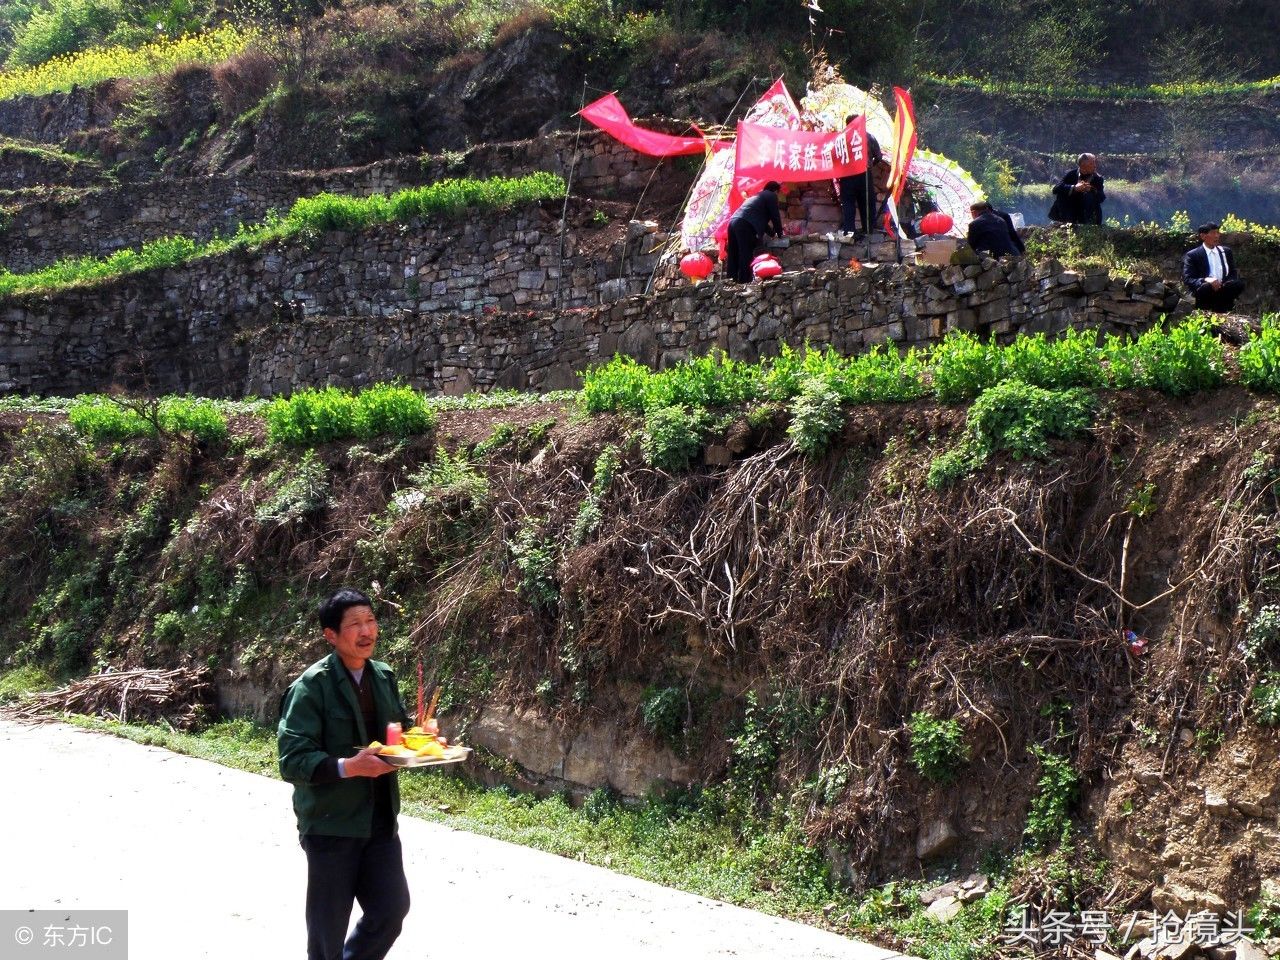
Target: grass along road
[{"x": 205, "y": 859}]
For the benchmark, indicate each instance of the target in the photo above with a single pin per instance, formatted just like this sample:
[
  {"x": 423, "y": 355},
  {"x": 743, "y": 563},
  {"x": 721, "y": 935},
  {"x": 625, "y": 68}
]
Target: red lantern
[
  {"x": 761, "y": 258},
  {"x": 696, "y": 266},
  {"x": 766, "y": 268},
  {"x": 936, "y": 223}
]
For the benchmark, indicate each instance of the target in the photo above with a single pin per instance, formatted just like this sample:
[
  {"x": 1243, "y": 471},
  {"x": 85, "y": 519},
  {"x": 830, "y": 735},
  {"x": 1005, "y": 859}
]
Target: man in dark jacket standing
[
  {"x": 345, "y": 796},
  {"x": 991, "y": 231},
  {"x": 856, "y": 190},
  {"x": 1209, "y": 271},
  {"x": 1079, "y": 194},
  {"x": 757, "y": 216}
]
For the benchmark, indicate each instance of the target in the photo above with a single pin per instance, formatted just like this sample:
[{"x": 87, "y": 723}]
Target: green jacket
[{"x": 319, "y": 718}]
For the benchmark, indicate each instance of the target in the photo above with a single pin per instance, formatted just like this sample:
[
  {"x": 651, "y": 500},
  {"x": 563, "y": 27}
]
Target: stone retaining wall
[
  {"x": 100, "y": 221},
  {"x": 272, "y": 322},
  {"x": 82, "y": 338},
  {"x": 904, "y": 305}
]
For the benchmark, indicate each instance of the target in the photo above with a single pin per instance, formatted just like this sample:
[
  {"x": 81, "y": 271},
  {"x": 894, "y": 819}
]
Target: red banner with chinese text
[
  {"x": 792, "y": 156},
  {"x": 609, "y": 115}
]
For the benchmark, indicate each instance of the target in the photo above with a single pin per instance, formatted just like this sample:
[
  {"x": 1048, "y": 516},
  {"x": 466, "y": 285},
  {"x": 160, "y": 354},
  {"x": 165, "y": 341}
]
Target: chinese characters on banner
[{"x": 792, "y": 156}]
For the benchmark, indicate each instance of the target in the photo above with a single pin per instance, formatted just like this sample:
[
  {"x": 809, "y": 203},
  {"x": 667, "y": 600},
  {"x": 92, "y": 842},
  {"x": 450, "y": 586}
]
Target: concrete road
[{"x": 206, "y": 861}]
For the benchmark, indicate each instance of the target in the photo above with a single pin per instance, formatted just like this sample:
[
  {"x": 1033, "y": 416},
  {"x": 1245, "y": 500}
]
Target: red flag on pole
[
  {"x": 609, "y": 115},
  {"x": 904, "y": 142}
]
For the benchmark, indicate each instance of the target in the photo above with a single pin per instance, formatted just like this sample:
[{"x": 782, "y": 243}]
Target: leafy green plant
[
  {"x": 1021, "y": 418},
  {"x": 297, "y": 491},
  {"x": 662, "y": 711},
  {"x": 673, "y": 436},
  {"x": 1263, "y": 918},
  {"x": 1016, "y": 417},
  {"x": 20, "y": 681},
  {"x": 618, "y": 384},
  {"x": 590, "y": 513},
  {"x": 1049, "y": 819},
  {"x": 1259, "y": 358},
  {"x": 321, "y": 416},
  {"x": 1262, "y": 636},
  {"x": 815, "y": 416},
  {"x": 535, "y": 560},
  {"x": 110, "y": 418},
  {"x": 1185, "y": 359},
  {"x": 963, "y": 366},
  {"x": 938, "y": 749}
]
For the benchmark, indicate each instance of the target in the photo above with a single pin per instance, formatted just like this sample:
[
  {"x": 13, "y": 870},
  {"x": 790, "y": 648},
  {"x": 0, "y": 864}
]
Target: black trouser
[
  {"x": 743, "y": 238},
  {"x": 854, "y": 198},
  {"x": 1220, "y": 300},
  {"x": 341, "y": 870}
]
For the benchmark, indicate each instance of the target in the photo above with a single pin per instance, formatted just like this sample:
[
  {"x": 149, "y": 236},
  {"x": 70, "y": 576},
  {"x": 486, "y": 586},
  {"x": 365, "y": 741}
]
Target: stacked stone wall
[
  {"x": 84, "y": 338},
  {"x": 100, "y": 221},
  {"x": 367, "y": 307}
]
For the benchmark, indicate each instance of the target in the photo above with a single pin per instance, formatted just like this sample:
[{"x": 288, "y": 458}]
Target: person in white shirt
[{"x": 1209, "y": 271}]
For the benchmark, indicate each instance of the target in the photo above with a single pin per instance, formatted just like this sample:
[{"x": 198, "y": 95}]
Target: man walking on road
[{"x": 344, "y": 799}]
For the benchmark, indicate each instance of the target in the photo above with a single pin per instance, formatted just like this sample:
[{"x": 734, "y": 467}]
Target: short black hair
[
  {"x": 332, "y": 610},
  {"x": 982, "y": 205},
  {"x": 773, "y": 185},
  {"x": 1207, "y": 228}
]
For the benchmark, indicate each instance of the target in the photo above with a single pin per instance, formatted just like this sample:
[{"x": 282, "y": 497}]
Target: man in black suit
[
  {"x": 1209, "y": 271},
  {"x": 856, "y": 191},
  {"x": 1079, "y": 194},
  {"x": 991, "y": 231},
  {"x": 757, "y": 216}
]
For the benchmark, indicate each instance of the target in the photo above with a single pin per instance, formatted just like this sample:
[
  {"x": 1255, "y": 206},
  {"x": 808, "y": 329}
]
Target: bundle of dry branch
[{"x": 179, "y": 696}]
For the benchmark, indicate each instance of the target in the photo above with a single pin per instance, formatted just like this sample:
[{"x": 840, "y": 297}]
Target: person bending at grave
[
  {"x": 991, "y": 231},
  {"x": 753, "y": 219}
]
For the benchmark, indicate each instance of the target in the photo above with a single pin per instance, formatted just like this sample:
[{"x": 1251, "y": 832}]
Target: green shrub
[
  {"x": 815, "y": 416},
  {"x": 590, "y": 513},
  {"x": 1260, "y": 358},
  {"x": 709, "y": 382},
  {"x": 297, "y": 492},
  {"x": 882, "y": 375},
  {"x": 1266, "y": 700},
  {"x": 61, "y": 27},
  {"x": 663, "y": 711},
  {"x": 673, "y": 436},
  {"x": 21, "y": 681},
  {"x": 1180, "y": 361},
  {"x": 615, "y": 386},
  {"x": 200, "y": 418},
  {"x": 949, "y": 467},
  {"x": 321, "y": 416},
  {"x": 1055, "y": 363},
  {"x": 1049, "y": 818},
  {"x": 535, "y": 560},
  {"x": 600, "y": 803},
  {"x": 1262, "y": 636},
  {"x": 963, "y": 366},
  {"x": 938, "y": 749},
  {"x": 1021, "y": 419},
  {"x": 101, "y": 418}
]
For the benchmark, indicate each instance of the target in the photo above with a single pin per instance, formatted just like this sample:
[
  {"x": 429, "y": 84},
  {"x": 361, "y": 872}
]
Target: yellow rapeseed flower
[{"x": 105, "y": 63}]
